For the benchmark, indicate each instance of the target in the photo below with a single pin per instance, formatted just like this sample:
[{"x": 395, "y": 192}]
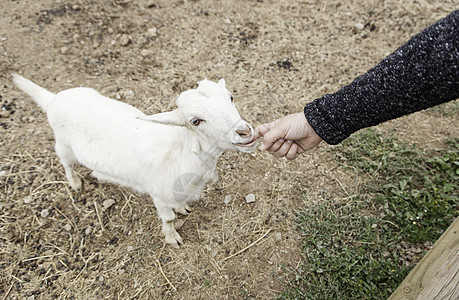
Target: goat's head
[{"x": 209, "y": 110}]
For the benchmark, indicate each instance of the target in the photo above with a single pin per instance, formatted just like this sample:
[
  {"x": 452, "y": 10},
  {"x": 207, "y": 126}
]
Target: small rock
[
  {"x": 44, "y": 213},
  {"x": 374, "y": 225},
  {"x": 101, "y": 279},
  {"x": 130, "y": 248},
  {"x": 152, "y": 32},
  {"x": 227, "y": 199},
  {"x": 88, "y": 230},
  {"x": 125, "y": 40},
  {"x": 67, "y": 227},
  {"x": 31, "y": 297},
  {"x": 129, "y": 94},
  {"x": 278, "y": 237},
  {"x": 214, "y": 252},
  {"x": 2, "y": 173},
  {"x": 28, "y": 200},
  {"x": 121, "y": 271},
  {"x": 359, "y": 26},
  {"x": 179, "y": 223},
  {"x": 64, "y": 50},
  {"x": 250, "y": 198},
  {"x": 146, "y": 52},
  {"x": 140, "y": 231},
  {"x": 5, "y": 113},
  {"x": 417, "y": 250},
  {"x": 108, "y": 203}
]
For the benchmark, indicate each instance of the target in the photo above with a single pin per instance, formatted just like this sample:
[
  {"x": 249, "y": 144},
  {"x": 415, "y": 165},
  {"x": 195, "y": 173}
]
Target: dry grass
[{"x": 275, "y": 55}]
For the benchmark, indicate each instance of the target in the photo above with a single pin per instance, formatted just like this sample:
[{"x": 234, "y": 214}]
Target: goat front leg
[{"x": 168, "y": 229}]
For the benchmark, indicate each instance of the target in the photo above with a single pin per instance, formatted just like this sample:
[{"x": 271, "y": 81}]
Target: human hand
[{"x": 288, "y": 136}]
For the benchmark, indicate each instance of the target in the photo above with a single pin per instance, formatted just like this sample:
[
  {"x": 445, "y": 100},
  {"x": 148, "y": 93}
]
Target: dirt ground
[{"x": 274, "y": 55}]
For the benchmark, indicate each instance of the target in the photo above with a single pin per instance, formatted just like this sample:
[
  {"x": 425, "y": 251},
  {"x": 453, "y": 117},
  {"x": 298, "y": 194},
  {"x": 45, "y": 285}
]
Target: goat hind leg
[{"x": 68, "y": 159}]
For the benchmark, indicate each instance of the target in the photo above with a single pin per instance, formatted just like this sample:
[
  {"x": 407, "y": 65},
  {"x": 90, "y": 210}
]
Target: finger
[
  {"x": 283, "y": 150},
  {"x": 292, "y": 152},
  {"x": 276, "y": 146},
  {"x": 270, "y": 137},
  {"x": 257, "y": 133},
  {"x": 262, "y": 129}
]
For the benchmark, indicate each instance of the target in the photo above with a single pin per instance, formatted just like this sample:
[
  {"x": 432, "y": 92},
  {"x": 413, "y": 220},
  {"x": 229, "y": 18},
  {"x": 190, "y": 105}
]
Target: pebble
[
  {"x": 227, "y": 199},
  {"x": 64, "y": 50},
  {"x": 417, "y": 250},
  {"x": 2, "y": 173},
  {"x": 130, "y": 248},
  {"x": 179, "y": 223},
  {"x": 250, "y": 198},
  {"x": 28, "y": 200},
  {"x": 31, "y": 297},
  {"x": 278, "y": 237},
  {"x": 101, "y": 279},
  {"x": 146, "y": 52},
  {"x": 152, "y": 32},
  {"x": 44, "y": 213},
  {"x": 359, "y": 26},
  {"x": 5, "y": 113},
  {"x": 129, "y": 94},
  {"x": 121, "y": 271},
  {"x": 214, "y": 252},
  {"x": 125, "y": 40},
  {"x": 88, "y": 230},
  {"x": 108, "y": 203},
  {"x": 67, "y": 227}
]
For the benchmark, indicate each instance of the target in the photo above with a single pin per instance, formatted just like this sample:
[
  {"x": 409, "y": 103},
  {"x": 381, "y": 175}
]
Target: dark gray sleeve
[{"x": 422, "y": 73}]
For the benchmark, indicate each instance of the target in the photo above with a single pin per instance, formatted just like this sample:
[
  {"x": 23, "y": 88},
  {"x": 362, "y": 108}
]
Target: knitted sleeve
[{"x": 422, "y": 73}]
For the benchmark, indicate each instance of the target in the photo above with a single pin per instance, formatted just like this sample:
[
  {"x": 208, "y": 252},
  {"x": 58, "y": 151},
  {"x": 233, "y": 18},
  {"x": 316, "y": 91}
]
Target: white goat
[{"x": 170, "y": 155}]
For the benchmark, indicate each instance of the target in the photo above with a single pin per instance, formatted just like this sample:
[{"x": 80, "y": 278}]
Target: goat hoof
[
  {"x": 75, "y": 184},
  {"x": 184, "y": 210},
  {"x": 174, "y": 240}
]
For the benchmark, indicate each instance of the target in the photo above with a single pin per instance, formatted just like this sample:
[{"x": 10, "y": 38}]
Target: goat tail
[{"x": 42, "y": 96}]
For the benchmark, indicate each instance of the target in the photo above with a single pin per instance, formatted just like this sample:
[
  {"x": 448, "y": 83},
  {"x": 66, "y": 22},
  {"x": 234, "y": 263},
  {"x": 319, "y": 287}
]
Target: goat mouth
[{"x": 249, "y": 145}]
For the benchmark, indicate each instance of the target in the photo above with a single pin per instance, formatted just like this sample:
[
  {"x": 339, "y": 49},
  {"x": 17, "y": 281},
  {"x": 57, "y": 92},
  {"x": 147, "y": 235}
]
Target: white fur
[{"x": 163, "y": 155}]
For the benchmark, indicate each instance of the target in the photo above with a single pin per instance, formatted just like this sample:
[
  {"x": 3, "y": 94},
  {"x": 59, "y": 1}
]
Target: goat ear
[
  {"x": 167, "y": 118},
  {"x": 222, "y": 82}
]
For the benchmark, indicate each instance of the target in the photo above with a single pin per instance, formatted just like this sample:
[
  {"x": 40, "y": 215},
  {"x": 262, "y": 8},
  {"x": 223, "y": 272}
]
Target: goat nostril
[{"x": 244, "y": 133}]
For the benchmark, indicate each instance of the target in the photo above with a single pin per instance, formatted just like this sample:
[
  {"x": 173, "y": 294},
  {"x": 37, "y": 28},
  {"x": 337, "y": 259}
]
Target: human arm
[{"x": 422, "y": 73}]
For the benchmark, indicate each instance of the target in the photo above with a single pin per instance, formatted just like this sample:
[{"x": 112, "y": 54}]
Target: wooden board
[{"x": 436, "y": 276}]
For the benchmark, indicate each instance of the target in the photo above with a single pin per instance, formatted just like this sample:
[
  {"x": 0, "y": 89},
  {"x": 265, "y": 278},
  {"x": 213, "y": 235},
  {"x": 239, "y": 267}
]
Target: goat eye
[
  {"x": 231, "y": 98},
  {"x": 196, "y": 121}
]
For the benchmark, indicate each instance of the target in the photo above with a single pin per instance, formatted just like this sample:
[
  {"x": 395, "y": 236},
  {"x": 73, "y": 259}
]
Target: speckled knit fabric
[{"x": 422, "y": 73}]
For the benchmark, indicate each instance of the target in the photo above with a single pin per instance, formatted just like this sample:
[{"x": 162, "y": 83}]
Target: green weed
[{"x": 353, "y": 249}]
